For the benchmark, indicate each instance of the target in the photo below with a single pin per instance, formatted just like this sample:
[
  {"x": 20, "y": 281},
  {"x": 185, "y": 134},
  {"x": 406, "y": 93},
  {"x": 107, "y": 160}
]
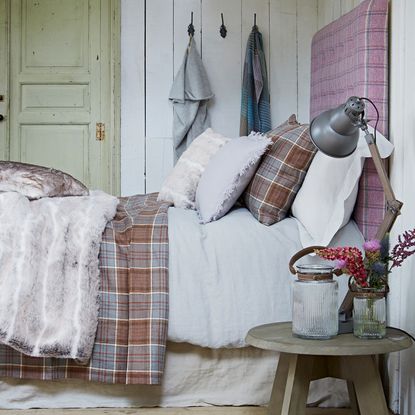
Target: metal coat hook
[
  {"x": 255, "y": 27},
  {"x": 191, "y": 28},
  {"x": 223, "y": 31}
]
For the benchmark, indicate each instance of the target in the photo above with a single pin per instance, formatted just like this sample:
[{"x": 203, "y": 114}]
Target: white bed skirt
[{"x": 194, "y": 376}]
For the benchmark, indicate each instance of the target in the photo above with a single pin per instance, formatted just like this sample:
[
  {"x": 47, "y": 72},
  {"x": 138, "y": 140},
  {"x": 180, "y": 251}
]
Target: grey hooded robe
[{"x": 190, "y": 94}]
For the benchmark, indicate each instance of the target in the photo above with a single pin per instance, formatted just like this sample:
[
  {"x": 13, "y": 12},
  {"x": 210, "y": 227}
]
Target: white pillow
[
  {"x": 326, "y": 200},
  {"x": 228, "y": 173},
  {"x": 180, "y": 185}
]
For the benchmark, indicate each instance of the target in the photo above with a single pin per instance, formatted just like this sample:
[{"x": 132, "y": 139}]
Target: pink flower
[
  {"x": 354, "y": 262},
  {"x": 341, "y": 264},
  {"x": 372, "y": 246}
]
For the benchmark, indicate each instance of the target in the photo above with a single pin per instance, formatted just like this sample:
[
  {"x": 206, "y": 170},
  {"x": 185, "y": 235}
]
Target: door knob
[{"x": 1, "y": 117}]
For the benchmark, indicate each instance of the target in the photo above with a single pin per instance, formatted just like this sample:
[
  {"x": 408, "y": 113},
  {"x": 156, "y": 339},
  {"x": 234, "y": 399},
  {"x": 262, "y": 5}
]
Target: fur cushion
[
  {"x": 36, "y": 182},
  {"x": 180, "y": 185}
]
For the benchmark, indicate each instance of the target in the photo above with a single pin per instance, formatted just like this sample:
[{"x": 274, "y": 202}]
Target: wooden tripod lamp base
[{"x": 393, "y": 210}]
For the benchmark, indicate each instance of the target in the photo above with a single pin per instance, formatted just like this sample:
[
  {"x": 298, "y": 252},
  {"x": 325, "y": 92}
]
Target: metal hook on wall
[
  {"x": 255, "y": 27},
  {"x": 223, "y": 31},
  {"x": 191, "y": 28}
]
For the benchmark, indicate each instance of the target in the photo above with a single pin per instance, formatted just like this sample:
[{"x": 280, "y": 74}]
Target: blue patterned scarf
[{"x": 255, "y": 105}]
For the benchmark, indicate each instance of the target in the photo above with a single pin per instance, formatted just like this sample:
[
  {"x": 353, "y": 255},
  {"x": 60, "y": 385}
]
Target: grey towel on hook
[{"x": 190, "y": 94}]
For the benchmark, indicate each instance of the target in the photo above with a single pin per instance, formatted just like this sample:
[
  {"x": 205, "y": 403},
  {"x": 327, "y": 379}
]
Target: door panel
[
  {"x": 59, "y": 80},
  {"x": 72, "y": 97},
  {"x": 60, "y": 26},
  {"x": 69, "y": 139}
]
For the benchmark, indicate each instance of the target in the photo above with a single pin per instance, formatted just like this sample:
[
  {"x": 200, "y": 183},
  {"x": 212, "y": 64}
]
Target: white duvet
[{"x": 230, "y": 275}]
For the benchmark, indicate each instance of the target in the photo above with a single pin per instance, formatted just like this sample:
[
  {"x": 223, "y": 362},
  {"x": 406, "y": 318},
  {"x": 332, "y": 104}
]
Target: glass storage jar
[
  {"x": 369, "y": 314},
  {"x": 314, "y": 300}
]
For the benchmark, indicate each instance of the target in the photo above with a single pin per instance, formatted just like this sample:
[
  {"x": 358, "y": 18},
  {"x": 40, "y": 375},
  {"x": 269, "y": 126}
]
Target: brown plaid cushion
[
  {"x": 283, "y": 128},
  {"x": 272, "y": 190}
]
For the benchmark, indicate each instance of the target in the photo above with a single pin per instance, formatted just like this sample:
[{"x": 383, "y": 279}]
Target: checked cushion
[{"x": 272, "y": 190}]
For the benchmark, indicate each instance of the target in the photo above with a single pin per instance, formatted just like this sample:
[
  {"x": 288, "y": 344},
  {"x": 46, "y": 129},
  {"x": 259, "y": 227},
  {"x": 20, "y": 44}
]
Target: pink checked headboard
[{"x": 350, "y": 57}]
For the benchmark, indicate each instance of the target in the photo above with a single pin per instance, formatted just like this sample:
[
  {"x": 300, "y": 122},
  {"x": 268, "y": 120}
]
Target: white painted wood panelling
[
  {"x": 306, "y": 27},
  {"x": 286, "y": 27},
  {"x": 159, "y": 67},
  {"x": 329, "y": 10},
  {"x": 222, "y": 59},
  {"x": 159, "y": 60},
  {"x": 402, "y": 133},
  {"x": 133, "y": 97},
  {"x": 283, "y": 60}
]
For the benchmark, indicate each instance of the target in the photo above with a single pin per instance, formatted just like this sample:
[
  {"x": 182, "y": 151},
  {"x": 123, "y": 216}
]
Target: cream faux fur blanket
[{"x": 49, "y": 275}]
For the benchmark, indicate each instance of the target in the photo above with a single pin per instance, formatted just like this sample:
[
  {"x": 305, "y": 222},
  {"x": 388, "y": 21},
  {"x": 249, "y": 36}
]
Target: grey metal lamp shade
[{"x": 336, "y": 132}]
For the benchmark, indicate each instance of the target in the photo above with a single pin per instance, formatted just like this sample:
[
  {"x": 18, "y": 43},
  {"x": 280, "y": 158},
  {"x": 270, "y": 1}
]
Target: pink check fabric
[
  {"x": 131, "y": 337},
  {"x": 350, "y": 57}
]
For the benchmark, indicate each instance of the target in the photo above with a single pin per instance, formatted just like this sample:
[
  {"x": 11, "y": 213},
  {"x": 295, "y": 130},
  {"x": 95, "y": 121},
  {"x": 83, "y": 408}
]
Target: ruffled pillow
[{"x": 228, "y": 174}]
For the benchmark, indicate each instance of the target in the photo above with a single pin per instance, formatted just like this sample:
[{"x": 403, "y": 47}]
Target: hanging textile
[
  {"x": 255, "y": 105},
  {"x": 190, "y": 94}
]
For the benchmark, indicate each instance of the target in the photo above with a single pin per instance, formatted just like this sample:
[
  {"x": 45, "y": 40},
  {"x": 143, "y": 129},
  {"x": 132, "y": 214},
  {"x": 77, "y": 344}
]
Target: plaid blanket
[{"x": 132, "y": 324}]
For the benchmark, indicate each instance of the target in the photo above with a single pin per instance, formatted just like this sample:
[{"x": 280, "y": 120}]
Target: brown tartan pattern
[
  {"x": 286, "y": 126},
  {"x": 131, "y": 336},
  {"x": 272, "y": 190}
]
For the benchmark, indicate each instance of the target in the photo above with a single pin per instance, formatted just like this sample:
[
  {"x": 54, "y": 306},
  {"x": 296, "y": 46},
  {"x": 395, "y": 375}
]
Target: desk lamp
[{"x": 336, "y": 133}]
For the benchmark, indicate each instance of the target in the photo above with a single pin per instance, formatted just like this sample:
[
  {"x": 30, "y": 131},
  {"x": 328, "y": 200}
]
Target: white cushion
[
  {"x": 180, "y": 185},
  {"x": 326, "y": 200},
  {"x": 228, "y": 173}
]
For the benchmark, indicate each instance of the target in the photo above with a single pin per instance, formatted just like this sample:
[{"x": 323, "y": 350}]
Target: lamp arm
[{"x": 393, "y": 207}]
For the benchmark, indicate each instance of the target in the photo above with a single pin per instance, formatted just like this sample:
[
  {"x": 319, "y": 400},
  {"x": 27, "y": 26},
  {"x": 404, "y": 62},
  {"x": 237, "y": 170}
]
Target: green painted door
[{"x": 61, "y": 88}]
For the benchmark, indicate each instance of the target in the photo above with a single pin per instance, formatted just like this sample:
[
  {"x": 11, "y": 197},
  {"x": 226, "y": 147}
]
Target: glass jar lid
[
  {"x": 315, "y": 269},
  {"x": 314, "y": 272}
]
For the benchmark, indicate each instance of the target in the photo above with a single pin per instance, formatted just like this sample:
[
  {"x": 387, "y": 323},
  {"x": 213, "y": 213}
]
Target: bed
[{"x": 220, "y": 285}]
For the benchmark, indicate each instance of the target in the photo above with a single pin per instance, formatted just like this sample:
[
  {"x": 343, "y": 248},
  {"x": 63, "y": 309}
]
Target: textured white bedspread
[{"x": 231, "y": 275}]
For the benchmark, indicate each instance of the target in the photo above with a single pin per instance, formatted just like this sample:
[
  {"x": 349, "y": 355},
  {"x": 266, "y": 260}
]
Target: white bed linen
[
  {"x": 193, "y": 377},
  {"x": 230, "y": 275}
]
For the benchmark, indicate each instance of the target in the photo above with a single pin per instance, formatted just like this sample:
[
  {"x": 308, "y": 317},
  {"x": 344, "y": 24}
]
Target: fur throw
[{"x": 49, "y": 275}]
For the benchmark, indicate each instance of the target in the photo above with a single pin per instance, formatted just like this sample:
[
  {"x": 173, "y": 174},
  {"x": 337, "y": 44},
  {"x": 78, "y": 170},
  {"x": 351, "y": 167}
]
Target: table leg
[
  {"x": 363, "y": 372},
  {"x": 298, "y": 382},
  {"x": 278, "y": 388},
  {"x": 291, "y": 384},
  {"x": 353, "y": 399}
]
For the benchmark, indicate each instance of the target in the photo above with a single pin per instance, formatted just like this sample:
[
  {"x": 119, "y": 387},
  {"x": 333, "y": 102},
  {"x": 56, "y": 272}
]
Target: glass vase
[{"x": 369, "y": 315}]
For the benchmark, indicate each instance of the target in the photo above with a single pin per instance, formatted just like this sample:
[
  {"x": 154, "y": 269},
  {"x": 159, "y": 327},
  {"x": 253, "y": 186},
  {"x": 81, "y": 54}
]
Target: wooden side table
[{"x": 344, "y": 357}]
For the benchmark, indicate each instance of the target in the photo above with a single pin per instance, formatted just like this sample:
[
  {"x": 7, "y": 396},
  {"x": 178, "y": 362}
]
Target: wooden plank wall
[
  {"x": 401, "y": 306},
  {"x": 287, "y": 27},
  {"x": 329, "y": 10}
]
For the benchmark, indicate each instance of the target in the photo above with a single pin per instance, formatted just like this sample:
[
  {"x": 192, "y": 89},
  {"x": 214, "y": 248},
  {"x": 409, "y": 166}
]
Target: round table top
[{"x": 279, "y": 337}]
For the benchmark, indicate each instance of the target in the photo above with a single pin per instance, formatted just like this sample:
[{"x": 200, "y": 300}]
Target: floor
[{"x": 167, "y": 411}]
